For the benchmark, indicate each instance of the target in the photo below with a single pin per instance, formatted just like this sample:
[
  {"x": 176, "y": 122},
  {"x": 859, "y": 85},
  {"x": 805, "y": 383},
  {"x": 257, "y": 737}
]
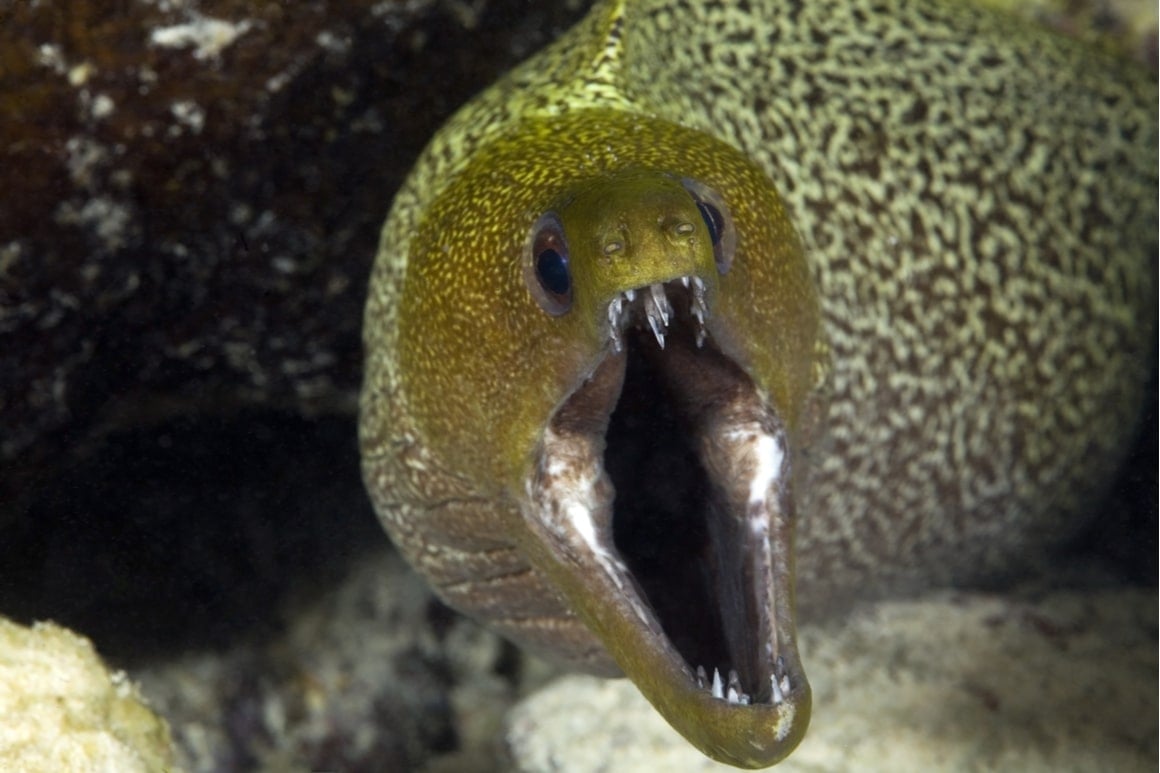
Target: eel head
[
  {"x": 661, "y": 488},
  {"x": 635, "y": 387}
]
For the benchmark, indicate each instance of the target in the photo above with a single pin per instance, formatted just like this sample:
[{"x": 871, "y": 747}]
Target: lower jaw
[{"x": 686, "y": 576}]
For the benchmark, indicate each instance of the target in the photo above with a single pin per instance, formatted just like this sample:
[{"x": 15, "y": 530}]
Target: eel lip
[{"x": 689, "y": 586}]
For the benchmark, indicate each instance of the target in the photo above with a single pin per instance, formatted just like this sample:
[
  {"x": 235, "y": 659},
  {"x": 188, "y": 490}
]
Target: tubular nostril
[{"x": 679, "y": 230}]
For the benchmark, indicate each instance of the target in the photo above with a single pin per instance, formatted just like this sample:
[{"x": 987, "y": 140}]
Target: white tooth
[
  {"x": 701, "y": 678},
  {"x": 615, "y": 322},
  {"x": 778, "y": 695},
  {"x": 744, "y": 699},
  {"x": 718, "y": 688},
  {"x": 685, "y": 281},
  {"x": 735, "y": 693},
  {"x": 699, "y": 309},
  {"x": 784, "y": 683},
  {"x": 664, "y": 308},
  {"x": 656, "y": 319},
  {"x": 630, "y": 295}
]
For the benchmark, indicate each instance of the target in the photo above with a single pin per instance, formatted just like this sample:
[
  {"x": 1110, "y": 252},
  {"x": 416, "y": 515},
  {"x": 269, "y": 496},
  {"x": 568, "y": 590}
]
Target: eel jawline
[{"x": 707, "y": 631}]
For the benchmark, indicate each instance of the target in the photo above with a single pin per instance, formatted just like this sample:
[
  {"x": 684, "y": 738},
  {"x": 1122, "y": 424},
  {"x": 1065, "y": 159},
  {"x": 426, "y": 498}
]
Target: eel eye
[
  {"x": 546, "y": 269},
  {"x": 714, "y": 221},
  {"x": 718, "y": 222}
]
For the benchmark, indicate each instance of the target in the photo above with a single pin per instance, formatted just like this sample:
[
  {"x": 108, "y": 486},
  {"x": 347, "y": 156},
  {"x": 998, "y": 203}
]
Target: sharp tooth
[
  {"x": 698, "y": 309},
  {"x": 661, "y": 301},
  {"x": 659, "y": 335},
  {"x": 630, "y": 295},
  {"x": 685, "y": 281},
  {"x": 615, "y": 322},
  {"x": 733, "y": 694},
  {"x": 658, "y": 310},
  {"x": 699, "y": 296},
  {"x": 654, "y": 322},
  {"x": 778, "y": 695},
  {"x": 701, "y": 678},
  {"x": 718, "y": 688}
]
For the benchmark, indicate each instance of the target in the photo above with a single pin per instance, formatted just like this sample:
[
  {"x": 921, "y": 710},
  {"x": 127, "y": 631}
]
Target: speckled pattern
[
  {"x": 978, "y": 210},
  {"x": 981, "y": 220}
]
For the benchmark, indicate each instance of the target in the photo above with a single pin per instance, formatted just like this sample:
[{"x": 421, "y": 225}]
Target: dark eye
[
  {"x": 718, "y": 222},
  {"x": 547, "y": 272},
  {"x": 714, "y": 221},
  {"x": 552, "y": 271}
]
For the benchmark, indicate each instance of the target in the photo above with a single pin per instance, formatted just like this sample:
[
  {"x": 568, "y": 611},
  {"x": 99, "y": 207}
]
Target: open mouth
[{"x": 662, "y": 485}]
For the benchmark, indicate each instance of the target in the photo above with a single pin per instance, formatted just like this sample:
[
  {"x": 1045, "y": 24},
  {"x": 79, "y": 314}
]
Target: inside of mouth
[
  {"x": 661, "y": 513},
  {"x": 672, "y": 523}
]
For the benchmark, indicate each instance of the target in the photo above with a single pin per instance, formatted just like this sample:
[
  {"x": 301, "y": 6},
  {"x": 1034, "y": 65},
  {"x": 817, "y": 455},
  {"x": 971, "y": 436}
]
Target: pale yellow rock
[
  {"x": 952, "y": 682},
  {"x": 61, "y": 709}
]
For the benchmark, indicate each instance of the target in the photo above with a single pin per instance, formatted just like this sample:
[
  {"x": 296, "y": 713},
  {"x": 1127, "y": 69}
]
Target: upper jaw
[
  {"x": 653, "y": 304},
  {"x": 745, "y": 699}
]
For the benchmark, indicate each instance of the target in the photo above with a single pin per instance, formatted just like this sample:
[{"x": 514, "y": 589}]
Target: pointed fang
[{"x": 778, "y": 695}]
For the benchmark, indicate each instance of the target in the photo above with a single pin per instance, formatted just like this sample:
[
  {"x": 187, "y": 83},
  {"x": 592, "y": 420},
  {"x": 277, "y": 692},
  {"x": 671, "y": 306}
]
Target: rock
[
  {"x": 951, "y": 682},
  {"x": 235, "y": 569},
  {"x": 374, "y": 675},
  {"x": 64, "y": 710},
  {"x": 193, "y": 195}
]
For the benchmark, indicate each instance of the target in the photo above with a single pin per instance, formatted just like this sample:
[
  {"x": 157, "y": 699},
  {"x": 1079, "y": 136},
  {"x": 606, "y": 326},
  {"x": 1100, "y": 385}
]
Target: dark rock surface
[
  {"x": 193, "y": 193},
  {"x": 192, "y": 200}
]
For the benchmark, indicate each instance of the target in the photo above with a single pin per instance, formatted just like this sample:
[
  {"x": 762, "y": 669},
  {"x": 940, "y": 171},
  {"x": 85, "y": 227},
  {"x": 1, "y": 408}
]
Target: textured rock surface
[
  {"x": 236, "y": 570},
  {"x": 193, "y": 192},
  {"x": 373, "y": 676},
  {"x": 953, "y": 682},
  {"x": 64, "y": 710}
]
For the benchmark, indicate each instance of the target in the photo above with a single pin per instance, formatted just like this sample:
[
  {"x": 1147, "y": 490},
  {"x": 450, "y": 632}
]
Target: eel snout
[{"x": 662, "y": 495}]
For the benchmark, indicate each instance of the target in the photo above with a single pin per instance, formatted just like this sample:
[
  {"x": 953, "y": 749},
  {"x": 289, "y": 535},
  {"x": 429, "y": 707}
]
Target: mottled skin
[{"x": 976, "y": 208}]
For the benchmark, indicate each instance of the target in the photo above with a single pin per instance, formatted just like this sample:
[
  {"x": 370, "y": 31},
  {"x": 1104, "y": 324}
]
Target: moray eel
[{"x": 705, "y": 278}]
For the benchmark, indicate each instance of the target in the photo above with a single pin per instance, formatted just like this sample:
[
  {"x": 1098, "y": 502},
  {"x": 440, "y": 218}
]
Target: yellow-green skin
[{"x": 952, "y": 304}]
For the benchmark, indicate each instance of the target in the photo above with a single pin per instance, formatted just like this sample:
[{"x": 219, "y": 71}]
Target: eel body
[{"x": 705, "y": 279}]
